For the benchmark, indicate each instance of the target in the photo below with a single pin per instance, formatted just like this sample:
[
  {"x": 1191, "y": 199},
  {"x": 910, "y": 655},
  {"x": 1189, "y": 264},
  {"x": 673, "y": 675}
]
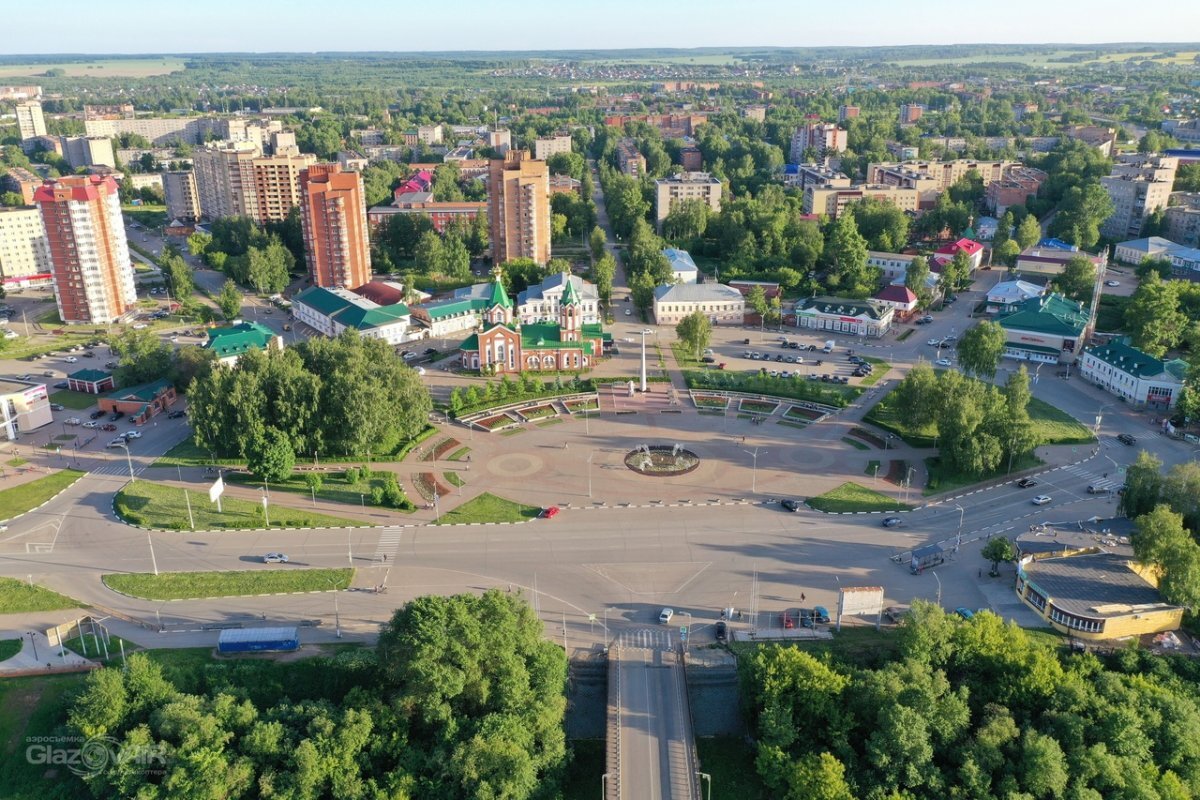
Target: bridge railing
[{"x": 612, "y": 786}]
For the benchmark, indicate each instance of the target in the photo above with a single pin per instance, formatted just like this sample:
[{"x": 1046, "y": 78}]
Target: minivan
[{"x": 828, "y": 347}]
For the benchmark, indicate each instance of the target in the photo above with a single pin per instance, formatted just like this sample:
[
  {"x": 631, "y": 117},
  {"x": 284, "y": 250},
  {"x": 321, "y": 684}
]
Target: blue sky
[{"x": 168, "y": 26}]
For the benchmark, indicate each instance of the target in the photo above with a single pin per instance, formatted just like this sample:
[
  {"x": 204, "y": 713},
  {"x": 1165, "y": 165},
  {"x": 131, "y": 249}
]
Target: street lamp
[
  {"x": 753, "y": 470},
  {"x": 1100, "y": 416},
  {"x": 337, "y": 617},
  {"x": 33, "y": 642},
  {"x": 908, "y": 481},
  {"x": 589, "y": 470},
  {"x": 939, "y": 585},
  {"x": 958, "y": 536},
  {"x": 645, "y": 331},
  {"x": 125, "y": 446}
]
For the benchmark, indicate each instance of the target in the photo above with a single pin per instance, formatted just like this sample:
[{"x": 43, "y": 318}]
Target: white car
[
  {"x": 141, "y": 326},
  {"x": 71, "y": 359},
  {"x": 89, "y": 424},
  {"x": 1112, "y": 283},
  {"x": 275, "y": 558},
  {"x": 665, "y": 616},
  {"x": 628, "y": 313},
  {"x": 944, "y": 362},
  {"x": 1041, "y": 500},
  {"x": 420, "y": 370},
  {"x": 133, "y": 434},
  {"x": 934, "y": 342},
  {"x": 118, "y": 442},
  {"x": 73, "y": 420}
]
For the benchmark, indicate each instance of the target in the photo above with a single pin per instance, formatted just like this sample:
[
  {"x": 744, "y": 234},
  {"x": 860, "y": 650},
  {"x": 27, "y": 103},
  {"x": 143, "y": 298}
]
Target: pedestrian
[
  {"x": 385, "y": 558},
  {"x": 802, "y": 597},
  {"x": 981, "y": 572}
]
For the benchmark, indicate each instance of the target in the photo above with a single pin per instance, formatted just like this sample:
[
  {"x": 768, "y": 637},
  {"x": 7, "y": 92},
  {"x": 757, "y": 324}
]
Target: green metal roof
[
  {"x": 570, "y": 297},
  {"x": 321, "y": 299},
  {"x": 1052, "y": 314},
  {"x": 500, "y": 296},
  {"x": 90, "y": 375},
  {"x": 145, "y": 392},
  {"x": 237, "y": 339},
  {"x": 843, "y": 306},
  {"x": 541, "y": 336},
  {"x": 1134, "y": 362},
  {"x": 453, "y": 308},
  {"x": 349, "y": 313}
]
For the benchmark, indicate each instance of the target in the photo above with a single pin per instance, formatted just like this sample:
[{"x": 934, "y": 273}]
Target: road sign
[{"x": 216, "y": 490}]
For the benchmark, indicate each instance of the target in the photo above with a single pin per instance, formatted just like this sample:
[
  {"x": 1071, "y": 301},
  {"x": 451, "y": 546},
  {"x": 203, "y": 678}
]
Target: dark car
[
  {"x": 108, "y": 426},
  {"x": 806, "y": 618},
  {"x": 721, "y": 631},
  {"x": 1126, "y": 438},
  {"x": 892, "y": 522},
  {"x": 62, "y": 385},
  {"x": 431, "y": 351},
  {"x": 856, "y": 360},
  {"x": 1026, "y": 483},
  {"x": 116, "y": 415},
  {"x": 820, "y": 614},
  {"x": 97, "y": 414},
  {"x": 110, "y": 364},
  {"x": 790, "y": 505},
  {"x": 176, "y": 414}
]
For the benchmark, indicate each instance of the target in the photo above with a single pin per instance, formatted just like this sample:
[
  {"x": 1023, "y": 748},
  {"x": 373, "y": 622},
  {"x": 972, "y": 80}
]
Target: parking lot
[{"x": 789, "y": 355}]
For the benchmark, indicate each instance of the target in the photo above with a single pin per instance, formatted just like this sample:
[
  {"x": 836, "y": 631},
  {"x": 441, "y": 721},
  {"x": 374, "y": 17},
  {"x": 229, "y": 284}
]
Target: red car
[
  {"x": 550, "y": 512},
  {"x": 108, "y": 426}
]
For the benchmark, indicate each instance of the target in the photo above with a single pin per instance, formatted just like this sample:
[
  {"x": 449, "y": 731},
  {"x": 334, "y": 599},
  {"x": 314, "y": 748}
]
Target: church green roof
[
  {"x": 499, "y": 296},
  {"x": 569, "y": 295}
]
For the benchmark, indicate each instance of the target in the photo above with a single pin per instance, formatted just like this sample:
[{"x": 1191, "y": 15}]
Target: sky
[{"x": 174, "y": 26}]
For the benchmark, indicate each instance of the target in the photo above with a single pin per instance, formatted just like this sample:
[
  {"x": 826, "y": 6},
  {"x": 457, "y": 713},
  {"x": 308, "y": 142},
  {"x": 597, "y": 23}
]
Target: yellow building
[{"x": 1087, "y": 584}]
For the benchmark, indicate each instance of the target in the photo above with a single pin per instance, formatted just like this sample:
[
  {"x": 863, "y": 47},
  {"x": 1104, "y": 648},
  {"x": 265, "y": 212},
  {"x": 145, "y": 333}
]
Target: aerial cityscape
[{"x": 404, "y": 411}]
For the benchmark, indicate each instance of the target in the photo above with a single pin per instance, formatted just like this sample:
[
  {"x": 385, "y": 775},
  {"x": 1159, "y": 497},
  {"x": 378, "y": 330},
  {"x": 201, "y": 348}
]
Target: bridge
[{"x": 651, "y": 751}]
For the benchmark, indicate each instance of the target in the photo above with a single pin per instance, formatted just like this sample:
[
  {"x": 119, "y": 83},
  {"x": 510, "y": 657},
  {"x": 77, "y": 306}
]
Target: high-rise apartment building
[
  {"x": 547, "y": 146},
  {"x": 685, "y": 186},
  {"x": 236, "y": 179},
  {"x": 823, "y": 137},
  {"x": 847, "y": 112},
  {"x": 1139, "y": 185},
  {"x": 89, "y": 257},
  {"x": 500, "y": 141},
  {"x": 24, "y": 254},
  {"x": 30, "y": 122},
  {"x": 182, "y": 197},
  {"x": 277, "y": 184},
  {"x": 88, "y": 151},
  {"x": 334, "y": 218},
  {"x": 519, "y": 208}
]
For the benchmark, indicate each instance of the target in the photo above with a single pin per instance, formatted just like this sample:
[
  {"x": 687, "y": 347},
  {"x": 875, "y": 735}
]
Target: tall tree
[
  {"x": 142, "y": 357},
  {"x": 1082, "y": 210},
  {"x": 270, "y": 457},
  {"x": 1154, "y": 318},
  {"x": 1143, "y": 485},
  {"x": 997, "y": 550},
  {"x": 916, "y": 397},
  {"x": 429, "y": 254},
  {"x": 695, "y": 332},
  {"x": 1077, "y": 280},
  {"x": 1029, "y": 232},
  {"x": 230, "y": 299},
  {"x": 603, "y": 273},
  {"x": 1161, "y": 541},
  {"x": 846, "y": 250},
  {"x": 981, "y": 347},
  {"x": 596, "y": 242},
  {"x": 916, "y": 278}
]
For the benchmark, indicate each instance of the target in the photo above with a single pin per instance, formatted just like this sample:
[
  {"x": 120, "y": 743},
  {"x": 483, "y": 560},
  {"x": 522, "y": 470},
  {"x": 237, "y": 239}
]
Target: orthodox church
[{"x": 502, "y": 344}]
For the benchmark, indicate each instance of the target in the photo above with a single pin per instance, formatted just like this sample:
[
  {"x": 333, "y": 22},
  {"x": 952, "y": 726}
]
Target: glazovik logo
[{"x": 89, "y": 757}]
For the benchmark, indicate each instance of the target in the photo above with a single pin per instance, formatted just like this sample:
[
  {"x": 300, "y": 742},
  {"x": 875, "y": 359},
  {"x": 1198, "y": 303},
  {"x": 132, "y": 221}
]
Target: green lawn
[
  {"x": 17, "y": 461},
  {"x": 791, "y": 388},
  {"x": 18, "y": 597},
  {"x": 454, "y": 479},
  {"x": 31, "y": 708},
  {"x": 153, "y": 505},
  {"x": 855, "y": 443},
  {"x": 191, "y": 585},
  {"x": 852, "y": 497},
  {"x": 489, "y": 508},
  {"x": 334, "y": 487},
  {"x": 9, "y": 648},
  {"x": 75, "y": 400},
  {"x": 88, "y": 648},
  {"x": 882, "y": 368},
  {"x": 945, "y": 480},
  {"x": 19, "y": 499},
  {"x": 730, "y": 762},
  {"x": 460, "y": 454}
]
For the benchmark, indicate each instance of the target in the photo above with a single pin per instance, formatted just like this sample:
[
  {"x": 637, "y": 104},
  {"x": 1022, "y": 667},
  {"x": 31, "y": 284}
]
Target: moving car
[
  {"x": 275, "y": 558},
  {"x": 934, "y": 342},
  {"x": 1026, "y": 483},
  {"x": 1041, "y": 500},
  {"x": 176, "y": 414},
  {"x": 1112, "y": 283},
  {"x": 892, "y": 522},
  {"x": 944, "y": 362},
  {"x": 549, "y": 512},
  {"x": 665, "y": 616},
  {"x": 133, "y": 434},
  {"x": 790, "y": 505},
  {"x": 1126, "y": 438}
]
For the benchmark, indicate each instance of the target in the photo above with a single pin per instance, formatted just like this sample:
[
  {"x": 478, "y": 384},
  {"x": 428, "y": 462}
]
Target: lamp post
[
  {"x": 589, "y": 471},
  {"x": 644, "y": 332},
  {"x": 753, "y": 470},
  {"x": 939, "y": 585},
  {"x": 33, "y": 643},
  {"x": 1100, "y": 416},
  {"x": 125, "y": 446},
  {"x": 337, "y": 617},
  {"x": 908, "y": 481},
  {"x": 958, "y": 536}
]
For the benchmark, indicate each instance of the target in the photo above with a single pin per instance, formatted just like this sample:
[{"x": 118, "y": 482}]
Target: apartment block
[
  {"x": 11, "y": 93},
  {"x": 182, "y": 196},
  {"x": 630, "y": 160},
  {"x": 1182, "y": 219},
  {"x": 1014, "y": 187},
  {"x": 159, "y": 130},
  {"x": 801, "y": 176},
  {"x": 547, "y": 146},
  {"x": 756, "y": 113},
  {"x": 847, "y": 112},
  {"x": 277, "y": 184},
  {"x": 224, "y": 179},
  {"x": 89, "y": 257},
  {"x": 24, "y": 253},
  {"x": 88, "y": 151},
  {"x": 334, "y": 218},
  {"x": 823, "y": 137},
  {"x": 119, "y": 111},
  {"x": 1098, "y": 136},
  {"x": 30, "y": 122},
  {"x": 1185, "y": 130},
  {"x": 833, "y": 200},
  {"x": 931, "y": 178},
  {"x": 910, "y": 113},
  {"x": 685, "y": 186},
  {"x": 691, "y": 158},
  {"x": 500, "y": 141},
  {"x": 519, "y": 208},
  {"x": 1139, "y": 186},
  {"x": 21, "y": 181}
]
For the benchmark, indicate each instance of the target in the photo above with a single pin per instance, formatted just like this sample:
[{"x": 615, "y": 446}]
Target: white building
[
  {"x": 685, "y": 186},
  {"x": 24, "y": 253},
  {"x": 844, "y": 316},
  {"x": 1130, "y": 374},
  {"x": 331, "y": 311},
  {"x": 540, "y": 303},
  {"x": 723, "y": 305},
  {"x": 23, "y": 407},
  {"x": 893, "y": 265},
  {"x": 683, "y": 268},
  {"x": 547, "y": 146},
  {"x": 1007, "y": 295},
  {"x": 1134, "y": 251}
]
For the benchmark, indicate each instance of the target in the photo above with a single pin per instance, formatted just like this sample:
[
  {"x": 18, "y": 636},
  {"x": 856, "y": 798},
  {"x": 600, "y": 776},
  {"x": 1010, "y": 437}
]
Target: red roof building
[
  {"x": 973, "y": 249},
  {"x": 900, "y": 298}
]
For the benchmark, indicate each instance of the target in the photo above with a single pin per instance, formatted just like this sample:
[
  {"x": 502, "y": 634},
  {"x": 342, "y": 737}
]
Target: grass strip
[
  {"x": 488, "y": 507},
  {"x": 27, "y": 496},
  {"x": 280, "y": 578},
  {"x": 153, "y": 505},
  {"x": 855, "y": 443},
  {"x": 18, "y": 597},
  {"x": 851, "y": 496}
]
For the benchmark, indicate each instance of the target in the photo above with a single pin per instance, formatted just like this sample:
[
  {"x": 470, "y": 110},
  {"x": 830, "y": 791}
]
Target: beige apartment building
[
  {"x": 277, "y": 184},
  {"x": 685, "y": 186},
  {"x": 182, "y": 198},
  {"x": 235, "y": 179},
  {"x": 1139, "y": 186},
  {"x": 832, "y": 200},
  {"x": 1183, "y": 219},
  {"x": 630, "y": 160},
  {"x": 823, "y": 137},
  {"x": 24, "y": 253},
  {"x": 159, "y": 130},
  {"x": 548, "y": 146},
  {"x": 519, "y": 208},
  {"x": 88, "y": 151},
  {"x": 30, "y": 122},
  {"x": 931, "y": 178}
]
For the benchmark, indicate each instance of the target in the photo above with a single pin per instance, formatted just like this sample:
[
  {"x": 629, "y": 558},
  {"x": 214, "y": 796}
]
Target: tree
[
  {"x": 603, "y": 273},
  {"x": 757, "y": 300},
  {"x": 1187, "y": 178},
  {"x": 429, "y": 254},
  {"x": 915, "y": 399},
  {"x": 1143, "y": 486},
  {"x": 596, "y": 241},
  {"x": 695, "y": 332},
  {"x": 269, "y": 267},
  {"x": 1007, "y": 253},
  {"x": 1082, "y": 210},
  {"x": 1029, "y": 232},
  {"x": 846, "y": 250},
  {"x": 981, "y": 347},
  {"x": 687, "y": 219},
  {"x": 642, "y": 286},
  {"x": 956, "y": 273},
  {"x": 1153, "y": 316},
  {"x": 456, "y": 261},
  {"x": 180, "y": 278},
  {"x": 997, "y": 550},
  {"x": 1161, "y": 541},
  {"x": 883, "y": 225},
  {"x": 916, "y": 279},
  {"x": 1180, "y": 489},
  {"x": 1004, "y": 231},
  {"x": 230, "y": 299},
  {"x": 270, "y": 457},
  {"x": 1015, "y": 428},
  {"x": 142, "y": 357},
  {"x": 1077, "y": 280}
]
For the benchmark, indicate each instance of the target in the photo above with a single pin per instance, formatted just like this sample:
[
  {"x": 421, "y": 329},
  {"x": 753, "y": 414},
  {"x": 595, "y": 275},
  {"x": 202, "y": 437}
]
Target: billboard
[{"x": 856, "y": 600}]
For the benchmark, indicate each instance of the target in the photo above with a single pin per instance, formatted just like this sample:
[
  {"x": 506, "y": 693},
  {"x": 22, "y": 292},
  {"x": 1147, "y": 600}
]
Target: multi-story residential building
[
  {"x": 121, "y": 111},
  {"x": 334, "y": 220},
  {"x": 801, "y": 176},
  {"x": 20, "y": 93},
  {"x": 277, "y": 184},
  {"x": 672, "y": 126},
  {"x": 1022, "y": 110},
  {"x": 1182, "y": 218},
  {"x": 519, "y": 208},
  {"x": 93, "y": 274},
  {"x": 931, "y": 178},
  {"x": 429, "y": 134},
  {"x": 30, "y": 122},
  {"x": 756, "y": 113},
  {"x": 723, "y": 305},
  {"x": 823, "y": 137},
  {"x": 1138, "y": 186},
  {"x": 1132, "y": 375},
  {"x": 22, "y": 182},
  {"x": 159, "y": 130},
  {"x": 1185, "y": 130},
  {"x": 500, "y": 141},
  {"x": 182, "y": 198},
  {"x": 88, "y": 151},
  {"x": 546, "y": 146},
  {"x": 630, "y": 160},
  {"x": 903, "y": 152},
  {"x": 685, "y": 186},
  {"x": 832, "y": 200},
  {"x": 910, "y": 113},
  {"x": 1097, "y": 136},
  {"x": 24, "y": 252},
  {"x": 440, "y": 213},
  {"x": 1014, "y": 187},
  {"x": 690, "y": 158},
  {"x": 225, "y": 179},
  {"x": 847, "y": 112}
]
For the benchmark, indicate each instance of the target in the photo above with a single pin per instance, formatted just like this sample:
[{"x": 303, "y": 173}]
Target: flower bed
[
  {"x": 439, "y": 451},
  {"x": 427, "y": 484},
  {"x": 867, "y": 437},
  {"x": 492, "y": 423},
  {"x": 707, "y": 401},
  {"x": 537, "y": 412},
  {"x": 796, "y": 412},
  {"x": 757, "y": 406},
  {"x": 577, "y": 406}
]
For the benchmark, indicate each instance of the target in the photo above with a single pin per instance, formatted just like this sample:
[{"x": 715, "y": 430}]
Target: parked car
[
  {"x": 628, "y": 313},
  {"x": 116, "y": 415},
  {"x": 1041, "y": 500},
  {"x": 62, "y": 385},
  {"x": 721, "y": 631},
  {"x": 118, "y": 442},
  {"x": 1112, "y": 283},
  {"x": 820, "y": 614},
  {"x": 934, "y": 342},
  {"x": 1026, "y": 483},
  {"x": 275, "y": 558},
  {"x": 1126, "y": 438},
  {"x": 665, "y": 616},
  {"x": 108, "y": 426},
  {"x": 965, "y": 613},
  {"x": 549, "y": 512},
  {"x": 176, "y": 414},
  {"x": 892, "y": 522},
  {"x": 790, "y": 505},
  {"x": 71, "y": 359},
  {"x": 48, "y": 374},
  {"x": 73, "y": 420},
  {"x": 89, "y": 424},
  {"x": 896, "y": 613},
  {"x": 709, "y": 360},
  {"x": 944, "y": 362}
]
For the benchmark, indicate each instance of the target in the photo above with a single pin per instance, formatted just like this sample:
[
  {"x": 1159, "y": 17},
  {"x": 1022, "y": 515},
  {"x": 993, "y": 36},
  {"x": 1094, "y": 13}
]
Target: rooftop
[
  {"x": 1134, "y": 362},
  {"x": 145, "y": 392},
  {"x": 239, "y": 338},
  {"x": 1096, "y": 585},
  {"x": 90, "y": 375},
  {"x": 1050, "y": 314},
  {"x": 696, "y": 293},
  {"x": 681, "y": 260},
  {"x": 843, "y": 306},
  {"x": 351, "y": 310}
]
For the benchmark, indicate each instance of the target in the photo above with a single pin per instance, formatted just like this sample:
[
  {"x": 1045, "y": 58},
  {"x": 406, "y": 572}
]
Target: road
[{"x": 656, "y": 747}]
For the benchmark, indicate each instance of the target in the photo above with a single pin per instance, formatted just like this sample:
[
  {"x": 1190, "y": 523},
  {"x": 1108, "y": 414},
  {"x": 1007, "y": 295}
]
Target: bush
[
  {"x": 377, "y": 496},
  {"x": 394, "y": 495},
  {"x": 352, "y": 475}
]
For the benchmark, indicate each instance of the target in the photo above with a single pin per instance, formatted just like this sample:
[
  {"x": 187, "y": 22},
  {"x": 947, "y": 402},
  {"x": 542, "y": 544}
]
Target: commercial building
[
  {"x": 1044, "y": 260},
  {"x": 544, "y": 147},
  {"x": 1050, "y": 329},
  {"x": 1138, "y": 187},
  {"x": 630, "y": 160},
  {"x": 88, "y": 151},
  {"x": 723, "y": 305},
  {"x": 91, "y": 381},
  {"x": 1007, "y": 296},
  {"x": 866, "y": 318},
  {"x": 30, "y": 122},
  {"x": 503, "y": 344},
  {"x": 182, "y": 196},
  {"x": 24, "y": 406},
  {"x": 1182, "y": 219},
  {"x": 1134, "y": 376},
  {"x": 833, "y": 200},
  {"x": 24, "y": 251},
  {"x": 334, "y": 220},
  {"x": 140, "y": 403},
  {"x": 543, "y": 302},
  {"x": 231, "y": 342},
  {"x": 825, "y": 138},
  {"x": 331, "y": 311},
  {"x": 1014, "y": 187},
  {"x": 683, "y": 267},
  {"x": 93, "y": 274},
  {"x": 1134, "y": 251},
  {"x": 1086, "y": 583},
  {"x": 519, "y": 208},
  {"x": 685, "y": 186}
]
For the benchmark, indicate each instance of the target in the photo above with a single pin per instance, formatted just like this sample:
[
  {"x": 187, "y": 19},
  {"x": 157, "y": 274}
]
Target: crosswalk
[
  {"x": 119, "y": 470},
  {"x": 389, "y": 543},
  {"x": 647, "y": 638},
  {"x": 1091, "y": 475}
]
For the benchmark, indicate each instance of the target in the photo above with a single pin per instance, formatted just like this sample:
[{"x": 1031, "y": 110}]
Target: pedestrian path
[
  {"x": 1091, "y": 476},
  {"x": 389, "y": 542},
  {"x": 649, "y": 638},
  {"x": 118, "y": 469}
]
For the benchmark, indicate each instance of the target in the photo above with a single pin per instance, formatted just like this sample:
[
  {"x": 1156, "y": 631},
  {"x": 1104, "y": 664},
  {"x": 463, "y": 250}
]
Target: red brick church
[{"x": 503, "y": 345}]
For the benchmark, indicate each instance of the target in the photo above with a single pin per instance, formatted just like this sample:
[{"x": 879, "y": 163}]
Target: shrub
[
  {"x": 352, "y": 475},
  {"x": 377, "y": 496}
]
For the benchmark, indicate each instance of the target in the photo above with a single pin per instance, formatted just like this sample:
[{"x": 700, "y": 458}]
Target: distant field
[
  {"x": 1054, "y": 57},
  {"x": 103, "y": 68},
  {"x": 1179, "y": 57}
]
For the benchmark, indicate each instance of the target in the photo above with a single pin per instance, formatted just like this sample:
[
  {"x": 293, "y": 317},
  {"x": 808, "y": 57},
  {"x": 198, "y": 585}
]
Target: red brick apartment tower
[{"x": 335, "y": 227}]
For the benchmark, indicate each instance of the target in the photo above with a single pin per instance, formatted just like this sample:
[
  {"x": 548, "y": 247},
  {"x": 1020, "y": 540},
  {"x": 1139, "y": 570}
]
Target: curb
[
  {"x": 218, "y": 597},
  {"x": 48, "y": 500}
]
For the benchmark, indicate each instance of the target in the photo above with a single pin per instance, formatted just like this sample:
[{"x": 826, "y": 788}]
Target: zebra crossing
[
  {"x": 120, "y": 470},
  {"x": 647, "y": 638},
  {"x": 1088, "y": 473},
  {"x": 389, "y": 543}
]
